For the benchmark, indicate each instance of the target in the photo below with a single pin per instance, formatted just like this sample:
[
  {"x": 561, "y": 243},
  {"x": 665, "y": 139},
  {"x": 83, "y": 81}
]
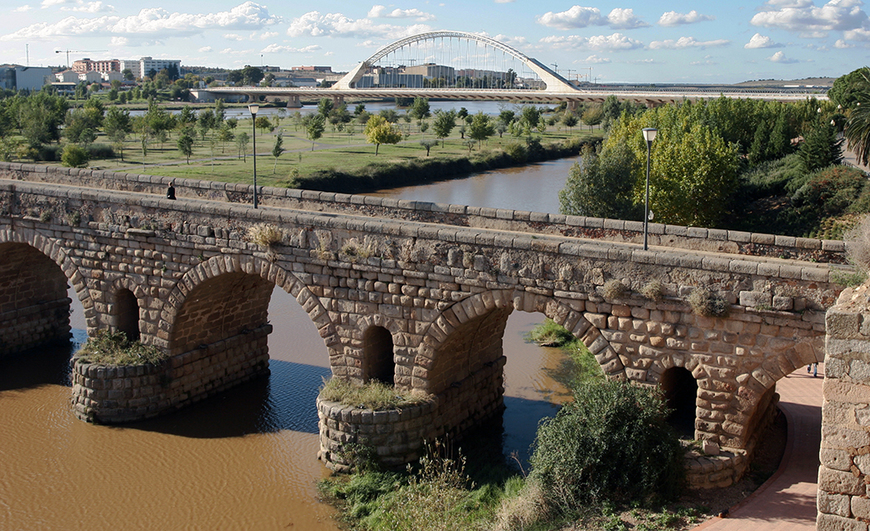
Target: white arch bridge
[{"x": 466, "y": 66}]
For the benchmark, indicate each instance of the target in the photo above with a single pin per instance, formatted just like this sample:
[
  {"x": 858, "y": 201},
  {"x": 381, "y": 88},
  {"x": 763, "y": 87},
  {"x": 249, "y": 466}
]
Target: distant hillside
[{"x": 814, "y": 81}]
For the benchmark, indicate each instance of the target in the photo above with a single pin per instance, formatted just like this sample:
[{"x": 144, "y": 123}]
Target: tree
[
  {"x": 39, "y": 117},
  {"x": 569, "y": 119},
  {"x": 74, "y": 156},
  {"x": 79, "y": 127},
  {"x": 601, "y": 187},
  {"x": 857, "y": 130},
  {"x": 821, "y": 148},
  {"x": 225, "y": 134},
  {"x": 242, "y": 140},
  {"x": 314, "y": 125},
  {"x": 390, "y": 115},
  {"x": 427, "y": 144},
  {"x": 128, "y": 74},
  {"x": 481, "y": 128},
  {"x": 593, "y": 116},
  {"x": 419, "y": 109},
  {"x": 185, "y": 144},
  {"x": 379, "y": 131},
  {"x": 847, "y": 90},
  {"x": 263, "y": 124},
  {"x": 277, "y": 150},
  {"x": 325, "y": 106},
  {"x": 117, "y": 125},
  {"x": 443, "y": 124}
]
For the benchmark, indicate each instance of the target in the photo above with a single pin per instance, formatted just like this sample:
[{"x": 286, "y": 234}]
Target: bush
[
  {"x": 614, "y": 289},
  {"x": 74, "y": 156},
  {"x": 101, "y": 151},
  {"x": 517, "y": 152},
  {"x": 829, "y": 192},
  {"x": 611, "y": 444}
]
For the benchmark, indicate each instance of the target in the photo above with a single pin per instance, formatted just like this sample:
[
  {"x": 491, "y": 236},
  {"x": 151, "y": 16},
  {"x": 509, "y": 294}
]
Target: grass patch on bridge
[
  {"x": 113, "y": 348},
  {"x": 373, "y": 395}
]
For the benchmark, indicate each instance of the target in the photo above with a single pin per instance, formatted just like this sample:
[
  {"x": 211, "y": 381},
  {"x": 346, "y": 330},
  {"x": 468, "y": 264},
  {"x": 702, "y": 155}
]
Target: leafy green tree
[
  {"x": 821, "y": 148},
  {"x": 593, "y": 116},
  {"x": 205, "y": 122},
  {"x": 419, "y": 109},
  {"x": 390, "y": 115},
  {"x": 74, "y": 156},
  {"x": 848, "y": 90},
  {"x": 359, "y": 109},
  {"x": 602, "y": 186},
  {"x": 277, "y": 150},
  {"x": 569, "y": 119},
  {"x": 325, "y": 106},
  {"x": 225, "y": 134},
  {"x": 314, "y": 125},
  {"x": 427, "y": 144},
  {"x": 443, "y": 124},
  {"x": 481, "y": 128},
  {"x": 185, "y": 144},
  {"x": 263, "y": 124},
  {"x": 379, "y": 131},
  {"x": 242, "y": 141},
  {"x": 186, "y": 116},
  {"x": 117, "y": 125},
  {"x": 79, "y": 127},
  {"x": 39, "y": 117}
]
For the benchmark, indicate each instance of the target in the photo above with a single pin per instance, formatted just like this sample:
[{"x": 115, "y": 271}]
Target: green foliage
[
  {"x": 821, "y": 148},
  {"x": 611, "y": 444},
  {"x": 113, "y": 348},
  {"x": 481, "y": 128},
  {"x": 517, "y": 152},
  {"x": 857, "y": 130},
  {"x": 829, "y": 192},
  {"x": 314, "y": 125},
  {"x": 74, "y": 156},
  {"x": 848, "y": 89},
  {"x": 380, "y": 131},
  {"x": 185, "y": 144},
  {"x": 602, "y": 185},
  {"x": 372, "y": 395},
  {"x": 419, "y": 109},
  {"x": 550, "y": 334}
]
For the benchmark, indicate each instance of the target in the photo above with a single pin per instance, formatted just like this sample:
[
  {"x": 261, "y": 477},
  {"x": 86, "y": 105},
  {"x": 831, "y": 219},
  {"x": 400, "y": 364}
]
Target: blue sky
[{"x": 679, "y": 41}]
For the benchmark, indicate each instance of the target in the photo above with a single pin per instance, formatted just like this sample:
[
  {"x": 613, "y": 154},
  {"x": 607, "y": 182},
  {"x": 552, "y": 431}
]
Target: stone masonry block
[
  {"x": 836, "y": 504},
  {"x": 837, "y": 482},
  {"x": 830, "y": 522}
]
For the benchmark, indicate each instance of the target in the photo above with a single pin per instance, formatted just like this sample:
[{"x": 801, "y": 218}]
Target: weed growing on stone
[
  {"x": 614, "y": 289},
  {"x": 265, "y": 235},
  {"x": 372, "y": 395},
  {"x": 113, "y": 348},
  {"x": 707, "y": 303},
  {"x": 653, "y": 290}
]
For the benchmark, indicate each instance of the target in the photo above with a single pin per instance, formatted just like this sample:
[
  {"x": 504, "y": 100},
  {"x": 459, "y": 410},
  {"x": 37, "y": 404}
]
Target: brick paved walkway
[{"x": 787, "y": 501}]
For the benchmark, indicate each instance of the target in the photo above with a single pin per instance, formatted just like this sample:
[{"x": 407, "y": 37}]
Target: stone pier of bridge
[{"x": 415, "y": 294}]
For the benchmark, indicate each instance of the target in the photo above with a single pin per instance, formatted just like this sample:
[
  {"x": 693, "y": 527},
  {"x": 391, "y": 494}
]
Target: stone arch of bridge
[
  {"x": 467, "y": 336},
  {"x": 235, "y": 292},
  {"x": 126, "y": 313},
  {"x": 54, "y": 251}
]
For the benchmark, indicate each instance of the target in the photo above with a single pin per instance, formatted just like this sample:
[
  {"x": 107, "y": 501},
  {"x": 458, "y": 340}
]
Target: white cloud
[
  {"x": 687, "y": 42},
  {"x": 382, "y": 12},
  {"x": 156, "y": 22},
  {"x": 811, "y": 21},
  {"x": 860, "y": 34},
  {"x": 205, "y": 49},
  {"x": 514, "y": 42},
  {"x": 595, "y": 60},
  {"x": 624, "y": 19},
  {"x": 233, "y": 37},
  {"x": 576, "y": 17},
  {"x": 90, "y": 7},
  {"x": 52, "y": 3},
  {"x": 22, "y": 9},
  {"x": 119, "y": 41},
  {"x": 780, "y": 57},
  {"x": 502, "y": 1},
  {"x": 760, "y": 41},
  {"x": 268, "y": 35},
  {"x": 615, "y": 42},
  {"x": 672, "y": 18},
  {"x": 842, "y": 45},
  {"x": 337, "y": 25},
  {"x": 275, "y": 48}
]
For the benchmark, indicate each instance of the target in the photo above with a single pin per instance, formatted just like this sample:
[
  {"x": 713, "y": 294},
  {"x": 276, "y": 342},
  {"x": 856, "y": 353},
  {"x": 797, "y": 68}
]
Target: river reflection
[{"x": 244, "y": 459}]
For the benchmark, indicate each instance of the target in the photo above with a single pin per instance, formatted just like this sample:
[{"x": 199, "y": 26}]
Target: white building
[
  {"x": 17, "y": 77},
  {"x": 67, "y": 76}
]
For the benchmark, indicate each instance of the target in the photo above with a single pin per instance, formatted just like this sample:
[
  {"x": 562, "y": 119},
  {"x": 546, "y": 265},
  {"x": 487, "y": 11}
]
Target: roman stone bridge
[{"x": 416, "y": 294}]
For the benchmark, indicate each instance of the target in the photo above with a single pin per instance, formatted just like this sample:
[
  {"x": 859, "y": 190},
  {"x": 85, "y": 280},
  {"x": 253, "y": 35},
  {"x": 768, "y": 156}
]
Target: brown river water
[{"x": 244, "y": 459}]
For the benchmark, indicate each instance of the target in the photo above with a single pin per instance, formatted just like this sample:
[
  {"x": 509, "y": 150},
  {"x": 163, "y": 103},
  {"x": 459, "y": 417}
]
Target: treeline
[{"x": 726, "y": 163}]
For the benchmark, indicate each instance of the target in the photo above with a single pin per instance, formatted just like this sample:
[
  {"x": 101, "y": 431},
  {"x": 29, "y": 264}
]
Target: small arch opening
[
  {"x": 681, "y": 391},
  {"x": 378, "y": 355},
  {"x": 127, "y": 313}
]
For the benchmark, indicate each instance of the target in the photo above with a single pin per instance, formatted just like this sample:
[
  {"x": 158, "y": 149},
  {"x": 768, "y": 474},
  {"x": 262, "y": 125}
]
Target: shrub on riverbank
[
  {"x": 392, "y": 174},
  {"x": 113, "y": 348}
]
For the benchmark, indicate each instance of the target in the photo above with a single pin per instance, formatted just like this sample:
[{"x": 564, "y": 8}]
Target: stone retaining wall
[
  {"x": 396, "y": 436},
  {"x": 111, "y": 395},
  {"x": 844, "y": 474},
  {"x": 695, "y": 238}
]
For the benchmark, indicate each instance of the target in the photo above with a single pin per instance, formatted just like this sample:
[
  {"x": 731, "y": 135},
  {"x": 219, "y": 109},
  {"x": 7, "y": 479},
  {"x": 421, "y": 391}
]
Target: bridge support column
[
  {"x": 293, "y": 102},
  {"x": 112, "y": 395},
  {"x": 397, "y": 436}
]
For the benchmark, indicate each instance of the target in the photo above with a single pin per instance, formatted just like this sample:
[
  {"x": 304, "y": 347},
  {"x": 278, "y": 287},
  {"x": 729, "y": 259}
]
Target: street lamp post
[
  {"x": 254, "y": 108},
  {"x": 649, "y": 134}
]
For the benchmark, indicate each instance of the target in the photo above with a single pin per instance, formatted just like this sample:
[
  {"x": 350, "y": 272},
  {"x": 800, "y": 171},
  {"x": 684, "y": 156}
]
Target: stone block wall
[
  {"x": 844, "y": 473},
  {"x": 111, "y": 395},
  {"x": 396, "y": 436}
]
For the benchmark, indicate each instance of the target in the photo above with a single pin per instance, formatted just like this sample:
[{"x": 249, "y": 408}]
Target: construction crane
[{"x": 67, "y": 52}]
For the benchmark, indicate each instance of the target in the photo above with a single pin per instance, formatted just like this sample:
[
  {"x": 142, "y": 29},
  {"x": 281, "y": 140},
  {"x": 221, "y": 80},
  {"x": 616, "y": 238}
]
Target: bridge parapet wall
[{"x": 692, "y": 238}]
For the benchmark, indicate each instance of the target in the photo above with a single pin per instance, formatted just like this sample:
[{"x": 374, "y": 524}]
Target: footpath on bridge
[{"x": 787, "y": 501}]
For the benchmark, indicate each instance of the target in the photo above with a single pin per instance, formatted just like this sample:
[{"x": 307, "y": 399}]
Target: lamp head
[
  {"x": 649, "y": 134},
  {"x": 253, "y": 108}
]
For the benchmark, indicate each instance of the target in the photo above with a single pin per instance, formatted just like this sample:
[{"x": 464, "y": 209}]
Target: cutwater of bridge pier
[{"x": 415, "y": 294}]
